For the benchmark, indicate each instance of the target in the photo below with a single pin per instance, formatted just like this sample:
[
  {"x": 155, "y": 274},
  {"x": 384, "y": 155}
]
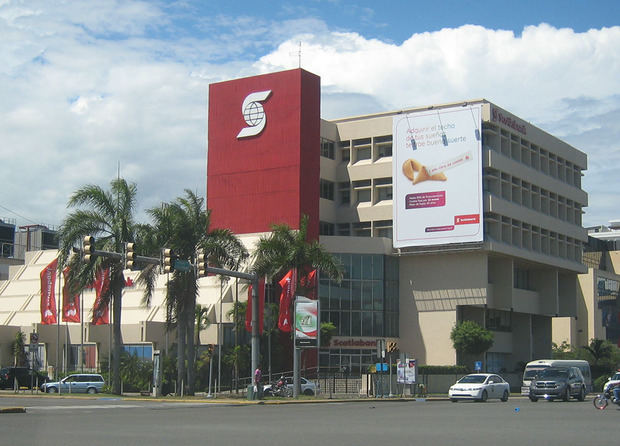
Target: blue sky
[{"x": 88, "y": 86}]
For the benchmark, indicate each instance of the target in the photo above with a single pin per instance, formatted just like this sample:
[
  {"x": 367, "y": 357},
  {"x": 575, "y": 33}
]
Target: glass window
[
  {"x": 377, "y": 295},
  {"x": 356, "y": 323},
  {"x": 326, "y": 228},
  {"x": 361, "y": 229},
  {"x": 356, "y": 294},
  {"x": 327, "y": 148},
  {"x": 344, "y": 191},
  {"x": 343, "y": 229},
  {"x": 363, "y": 196},
  {"x": 366, "y": 323},
  {"x": 326, "y": 189},
  {"x": 367, "y": 295},
  {"x": 378, "y": 324},
  {"x": 499, "y": 320},
  {"x": 384, "y": 193}
]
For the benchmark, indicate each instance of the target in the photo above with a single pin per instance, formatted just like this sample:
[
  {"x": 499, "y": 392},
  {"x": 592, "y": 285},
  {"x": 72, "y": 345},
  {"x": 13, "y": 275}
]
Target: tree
[
  {"x": 107, "y": 216},
  {"x": 184, "y": 226},
  {"x": 18, "y": 348},
  {"x": 285, "y": 249},
  {"x": 328, "y": 329},
  {"x": 470, "y": 338}
]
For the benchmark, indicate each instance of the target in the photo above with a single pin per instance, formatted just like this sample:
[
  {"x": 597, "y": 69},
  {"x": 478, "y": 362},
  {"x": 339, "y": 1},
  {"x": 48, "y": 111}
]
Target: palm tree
[
  {"x": 107, "y": 216},
  {"x": 285, "y": 249},
  {"x": 183, "y": 226}
]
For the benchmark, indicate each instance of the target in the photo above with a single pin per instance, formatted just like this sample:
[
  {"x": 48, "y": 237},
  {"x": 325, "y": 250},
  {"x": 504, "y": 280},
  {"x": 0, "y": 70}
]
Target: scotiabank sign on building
[{"x": 263, "y": 152}]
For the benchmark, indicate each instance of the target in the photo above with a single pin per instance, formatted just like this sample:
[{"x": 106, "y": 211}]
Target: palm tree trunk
[
  {"x": 191, "y": 321},
  {"x": 117, "y": 340},
  {"x": 180, "y": 347}
]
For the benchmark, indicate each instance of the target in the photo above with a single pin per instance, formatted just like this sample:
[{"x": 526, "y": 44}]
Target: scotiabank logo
[{"x": 254, "y": 114}]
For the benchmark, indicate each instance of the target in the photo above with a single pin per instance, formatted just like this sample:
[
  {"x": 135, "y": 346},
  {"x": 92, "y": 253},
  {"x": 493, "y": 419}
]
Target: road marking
[{"x": 96, "y": 406}]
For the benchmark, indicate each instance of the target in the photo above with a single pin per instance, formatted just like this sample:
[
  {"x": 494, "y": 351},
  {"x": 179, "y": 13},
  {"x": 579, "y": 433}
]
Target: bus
[{"x": 533, "y": 367}]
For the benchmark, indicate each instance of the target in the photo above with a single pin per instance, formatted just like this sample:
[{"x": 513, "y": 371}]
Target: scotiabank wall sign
[{"x": 263, "y": 153}]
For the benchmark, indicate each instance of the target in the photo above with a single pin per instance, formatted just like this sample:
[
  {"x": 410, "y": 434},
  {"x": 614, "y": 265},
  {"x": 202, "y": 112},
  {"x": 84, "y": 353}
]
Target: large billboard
[
  {"x": 437, "y": 176},
  {"x": 263, "y": 154}
]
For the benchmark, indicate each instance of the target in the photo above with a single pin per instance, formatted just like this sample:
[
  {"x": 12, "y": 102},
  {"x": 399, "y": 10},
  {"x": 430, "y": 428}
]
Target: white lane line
[{"x": 85, "y": 407}]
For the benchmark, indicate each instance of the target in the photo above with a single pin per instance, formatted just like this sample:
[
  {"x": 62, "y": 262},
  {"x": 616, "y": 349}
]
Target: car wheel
[
  {"x": 91, "y": 390},
  {"x": 533, "y": 399},
  {"x": 484, "y": 396},
  {"x": 308, "y": 392},
  {"x": 51, "y": 390},
  {"x": 566, "y": 395},
  {"x": 505, "y": 396},
  {"x": 582, "y": 394},
  {"x": 454, "y": 400}
]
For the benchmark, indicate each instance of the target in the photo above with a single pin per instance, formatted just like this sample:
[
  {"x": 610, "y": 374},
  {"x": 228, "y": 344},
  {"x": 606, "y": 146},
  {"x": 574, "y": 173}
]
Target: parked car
[
  {"x": 558, "y": 382},
  {"x": 26, "y": 377},
  {"x": 307, "y": 387},
  {"x": 612, "y": 381},
  {"x": 479, "y": 387},
  {"x": 77, "y": 383}
]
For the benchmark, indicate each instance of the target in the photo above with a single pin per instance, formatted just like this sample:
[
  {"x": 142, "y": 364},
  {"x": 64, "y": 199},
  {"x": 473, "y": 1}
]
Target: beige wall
[{"x": 431, "y": 288}]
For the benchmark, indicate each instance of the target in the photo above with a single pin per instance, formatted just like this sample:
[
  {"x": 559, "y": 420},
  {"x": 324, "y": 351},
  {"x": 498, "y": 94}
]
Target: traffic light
[
  {"x": 202, "y": 265},
  {"x": 169, "y": 259},
  {"x": 88, "y": 246},
  {"x": 130, "y": 255}
]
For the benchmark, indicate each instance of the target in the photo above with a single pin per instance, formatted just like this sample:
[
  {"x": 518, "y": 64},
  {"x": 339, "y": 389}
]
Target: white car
[
  {"x": 480, "y": 387},
  {"x": 612, "y": 381},
  {"x": 307, "y": 387}
]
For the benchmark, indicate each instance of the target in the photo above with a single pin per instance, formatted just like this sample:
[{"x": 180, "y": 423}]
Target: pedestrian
[{"x": 257, "y": 387}]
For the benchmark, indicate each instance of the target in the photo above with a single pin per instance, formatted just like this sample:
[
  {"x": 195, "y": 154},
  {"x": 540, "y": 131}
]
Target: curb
[{"x": 13, "y": 410}]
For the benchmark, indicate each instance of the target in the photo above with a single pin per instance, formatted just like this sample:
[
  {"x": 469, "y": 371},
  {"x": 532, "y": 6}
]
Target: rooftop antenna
[{"x": 298, "y": 55}]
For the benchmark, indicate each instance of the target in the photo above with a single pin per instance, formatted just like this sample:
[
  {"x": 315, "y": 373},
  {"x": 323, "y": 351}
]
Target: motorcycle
[
  {"x": 602, "y": 401},
  {"x": 281, "y": 389}
]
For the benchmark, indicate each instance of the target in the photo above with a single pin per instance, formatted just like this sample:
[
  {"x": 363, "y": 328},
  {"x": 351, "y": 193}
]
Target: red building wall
[{"x": 272, "y": 177}]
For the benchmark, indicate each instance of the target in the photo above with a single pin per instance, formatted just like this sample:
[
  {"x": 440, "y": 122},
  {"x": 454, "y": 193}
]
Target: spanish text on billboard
[{"x": 437, "y": 176}]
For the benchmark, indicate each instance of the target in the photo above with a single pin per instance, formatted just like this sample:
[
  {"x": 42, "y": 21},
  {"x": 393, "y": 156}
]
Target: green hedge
[{"x": 442, "y": 369}]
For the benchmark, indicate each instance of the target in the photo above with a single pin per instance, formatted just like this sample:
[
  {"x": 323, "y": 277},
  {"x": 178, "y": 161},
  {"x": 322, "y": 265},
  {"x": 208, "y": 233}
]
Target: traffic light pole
[{"x": 255, "y": 334}]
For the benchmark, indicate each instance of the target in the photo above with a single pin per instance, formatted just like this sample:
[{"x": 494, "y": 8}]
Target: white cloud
[{"x": 85, "y": 88}]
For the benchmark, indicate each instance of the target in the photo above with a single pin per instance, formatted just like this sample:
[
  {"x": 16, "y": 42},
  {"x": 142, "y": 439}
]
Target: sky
[{"x": 90, "y": 89}]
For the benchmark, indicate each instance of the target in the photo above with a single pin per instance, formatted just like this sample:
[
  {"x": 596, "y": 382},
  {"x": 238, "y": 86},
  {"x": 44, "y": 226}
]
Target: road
[{"x": 98, "y": 421}]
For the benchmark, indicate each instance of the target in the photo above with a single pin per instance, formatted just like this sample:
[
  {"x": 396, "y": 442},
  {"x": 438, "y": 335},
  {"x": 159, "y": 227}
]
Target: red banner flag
[
  {"x": 261, "y": 308},
  {"x": 70, "y": 304},
  {"x": 308, "y": 282},
  {"x": 101, "y": 313},
  {"x": 48, "y": 298},
  {"x": 288, "y": 283}
]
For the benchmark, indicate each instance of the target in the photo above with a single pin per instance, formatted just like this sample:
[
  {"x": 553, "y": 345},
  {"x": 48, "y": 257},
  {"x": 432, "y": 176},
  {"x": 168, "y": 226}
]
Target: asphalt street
[{"x": 111, "y": 421}]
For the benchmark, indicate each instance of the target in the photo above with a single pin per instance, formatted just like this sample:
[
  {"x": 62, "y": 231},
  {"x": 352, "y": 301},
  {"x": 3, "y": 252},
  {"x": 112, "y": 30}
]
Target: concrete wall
[{"x": 431, "y": 288}]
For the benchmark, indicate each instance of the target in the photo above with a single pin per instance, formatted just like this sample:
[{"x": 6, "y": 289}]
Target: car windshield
[
  {"x": 616, "y": 377},
  {"x": 553, "y": 373},
  {"x": 531, "y": 373},
  {"x": 472, "y": 379}
]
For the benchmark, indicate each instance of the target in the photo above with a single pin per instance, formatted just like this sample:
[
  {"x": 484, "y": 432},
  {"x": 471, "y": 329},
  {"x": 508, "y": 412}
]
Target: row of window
[
  {"x": 521, "y": 192},
  {"x": 358, "y": 150},
  {"x": 533, "y": 238},
  {"x": 372, "y": 191},
  {"x": 536, "y": 157},
  {"x": 377, "y": 228}
]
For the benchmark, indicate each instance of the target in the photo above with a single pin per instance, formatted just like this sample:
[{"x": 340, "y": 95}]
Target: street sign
[
  {"x": 381, "y": 367},
  {"x": 182, "y": 265},
  {"x": 478, "y": 366}
]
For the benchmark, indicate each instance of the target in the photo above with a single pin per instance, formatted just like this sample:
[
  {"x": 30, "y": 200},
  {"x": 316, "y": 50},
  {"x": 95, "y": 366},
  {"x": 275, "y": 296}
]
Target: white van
[{"x": 535, "y": 366}]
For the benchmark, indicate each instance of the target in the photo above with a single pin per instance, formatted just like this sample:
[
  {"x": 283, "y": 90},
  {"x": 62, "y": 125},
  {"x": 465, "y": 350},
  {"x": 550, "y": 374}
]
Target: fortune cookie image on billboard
[{"x": 437, "y": 176}]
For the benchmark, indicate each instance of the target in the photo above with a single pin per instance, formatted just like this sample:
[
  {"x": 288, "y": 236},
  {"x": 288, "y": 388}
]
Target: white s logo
[{"x": 254, "y": 114}]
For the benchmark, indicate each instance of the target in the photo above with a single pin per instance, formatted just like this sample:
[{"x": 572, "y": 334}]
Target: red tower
[{"x": 263, "y": 154}]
